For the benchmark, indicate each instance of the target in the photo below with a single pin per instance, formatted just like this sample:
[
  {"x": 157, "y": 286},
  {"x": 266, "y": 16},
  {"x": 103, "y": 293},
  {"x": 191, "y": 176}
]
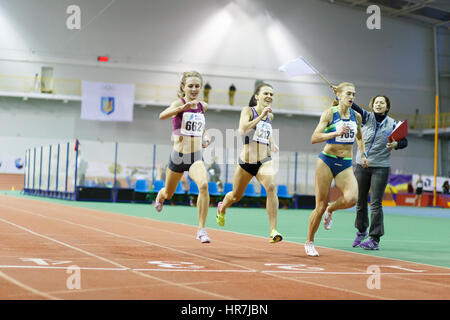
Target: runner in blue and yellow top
[{"x": 339, "y": 126}]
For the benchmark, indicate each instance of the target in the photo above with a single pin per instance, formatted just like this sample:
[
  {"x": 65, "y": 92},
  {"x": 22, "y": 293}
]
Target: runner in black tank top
[{"x": 255, "y": 161}]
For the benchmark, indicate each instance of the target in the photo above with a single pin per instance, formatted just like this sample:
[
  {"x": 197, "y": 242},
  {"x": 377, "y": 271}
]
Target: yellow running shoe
[
  {"x": 220, "y": 218},
  {"x": 275, "y": 236}
]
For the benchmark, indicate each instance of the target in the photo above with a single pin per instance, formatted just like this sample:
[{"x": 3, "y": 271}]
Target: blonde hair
[
  {"x": 339, "y": 89},
  {"x": 187, "y": 74}
]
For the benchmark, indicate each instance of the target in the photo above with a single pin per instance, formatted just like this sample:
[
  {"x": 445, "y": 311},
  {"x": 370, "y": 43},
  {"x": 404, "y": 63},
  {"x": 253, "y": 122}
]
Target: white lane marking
[
  {"x": 83, "y": 211},
  {"x": 130, "y": 238},
  {"x": 115, "y": 263},
  {"x": 402, "y": 268},
  {"x": 175, "y": 264},
  {"x": 268, "y": 273},
  {"x": 223, "y": 270},
  {"x": 294, "y": 267},
  {"x": 45, "y": 262},
  {"x": 27, "y": 288},
  {"x": 61, "y": 268}
]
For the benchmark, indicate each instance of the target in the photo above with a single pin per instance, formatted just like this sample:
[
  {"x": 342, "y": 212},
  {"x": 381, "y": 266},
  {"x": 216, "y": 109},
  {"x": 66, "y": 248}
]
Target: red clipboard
[{"x": 399, "y": 132}]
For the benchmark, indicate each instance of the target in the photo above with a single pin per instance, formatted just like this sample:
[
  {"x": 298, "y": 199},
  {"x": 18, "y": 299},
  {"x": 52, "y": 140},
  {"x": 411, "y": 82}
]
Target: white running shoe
[
  {"x": 327, "y": 221},
  {"x": 203, "y": 236},
  {"x": 158, "y": 206},
  {"x": 310, "y": 250}
]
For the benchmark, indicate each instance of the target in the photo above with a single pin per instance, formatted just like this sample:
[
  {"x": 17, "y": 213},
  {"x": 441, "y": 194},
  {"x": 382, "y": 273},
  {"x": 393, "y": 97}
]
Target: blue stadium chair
[
  {"x": 179, "y": 189},
  {"x": 141, "y": 186},
  {"x": 193, "y": 189},
  {"x": 213, "y": 190},
  {"x": 157, "y": 185},
  {"x": 283, "y": 192},
  {"x": 227, "y": 187},
  {"x": 250, "y": 191}
]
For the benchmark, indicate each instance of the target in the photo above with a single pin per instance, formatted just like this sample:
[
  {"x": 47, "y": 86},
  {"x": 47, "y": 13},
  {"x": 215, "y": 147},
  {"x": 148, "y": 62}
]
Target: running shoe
[
  {"x": 275, "y": 236},
  {"x": 203, "y": 236},
  {"x": 220, "y": 217},
  {"x": 327, "y": 221},
  {"x": 158, "y": 206},
  {"x": 360, "y": 237},
  {"x": 370, "y": 245},
  {"x": 310, "y": 250}
]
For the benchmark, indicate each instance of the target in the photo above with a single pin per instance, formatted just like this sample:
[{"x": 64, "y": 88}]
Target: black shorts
[
  {"x": 253, "y": 168},
  {"x": 180, "y": 162},
  {"x": 419, "y": 190}
]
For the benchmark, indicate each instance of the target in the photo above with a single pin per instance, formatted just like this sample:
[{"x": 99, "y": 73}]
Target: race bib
[
  {"x": 348, "y": 137},
  {"x": 263, "y": 131},
  {"x": 192, "y": 124}
]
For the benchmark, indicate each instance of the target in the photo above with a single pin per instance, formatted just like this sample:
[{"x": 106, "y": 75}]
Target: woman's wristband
[{"x": 365, "y": 155}]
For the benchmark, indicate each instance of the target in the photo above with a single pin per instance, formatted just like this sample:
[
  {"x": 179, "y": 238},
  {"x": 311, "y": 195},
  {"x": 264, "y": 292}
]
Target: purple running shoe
[
  {"x": 360, "y": 237},
  {"x": 370, "y": 245}
]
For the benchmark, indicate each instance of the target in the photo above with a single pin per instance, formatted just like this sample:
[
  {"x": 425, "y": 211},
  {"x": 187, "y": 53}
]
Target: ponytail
[
  {"x": 253, "y": 101},
  {"x": 339, "y": 89}
]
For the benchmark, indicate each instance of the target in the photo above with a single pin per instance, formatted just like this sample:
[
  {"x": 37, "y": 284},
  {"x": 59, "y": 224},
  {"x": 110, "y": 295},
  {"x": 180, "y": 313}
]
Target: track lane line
[
  {"x": 115, "y": 263},
  {"x": 132, "y": 239},
  {"x": 301, "y": 244},
  {"x": 268, "y": 274},
  {"x": 136, "y": 225},
  {"x": 28, "y": 288}
]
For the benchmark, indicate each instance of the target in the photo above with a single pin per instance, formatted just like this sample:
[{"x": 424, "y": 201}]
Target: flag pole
[{"x": 319, "y": 74}]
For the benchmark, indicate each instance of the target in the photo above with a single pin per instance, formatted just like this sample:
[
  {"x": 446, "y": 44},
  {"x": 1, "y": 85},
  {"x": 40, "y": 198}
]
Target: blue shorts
[{"x": 336, "y": 164}]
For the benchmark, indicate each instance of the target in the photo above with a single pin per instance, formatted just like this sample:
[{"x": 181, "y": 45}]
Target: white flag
[
  {"x": 107, "y": 101},
  {"x": 297, "y": 67}
]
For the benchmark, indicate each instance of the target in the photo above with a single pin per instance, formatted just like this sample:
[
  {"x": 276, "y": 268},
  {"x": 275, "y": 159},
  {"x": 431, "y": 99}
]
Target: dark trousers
[{"x": 374, "y": 179}]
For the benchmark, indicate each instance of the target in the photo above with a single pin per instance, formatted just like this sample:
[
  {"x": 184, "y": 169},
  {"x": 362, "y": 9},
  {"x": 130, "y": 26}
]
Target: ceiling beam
[
  {"x": 357, "y": 2},
  {"x": 405, "y": 12},
  {"x": 441, "y": 24},
  {"x": 410, "y": 8}
]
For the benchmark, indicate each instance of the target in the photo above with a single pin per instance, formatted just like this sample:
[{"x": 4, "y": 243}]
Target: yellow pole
[
  {"x": 436, "y": 113},
  {"x": 436, "y": 129}
]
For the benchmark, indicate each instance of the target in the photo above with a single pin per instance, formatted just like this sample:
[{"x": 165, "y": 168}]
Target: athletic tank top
[
  {"x": 190, "y": 122},
  {"x": 261, "y": 132},
  {"x": 337, "y": 123}
]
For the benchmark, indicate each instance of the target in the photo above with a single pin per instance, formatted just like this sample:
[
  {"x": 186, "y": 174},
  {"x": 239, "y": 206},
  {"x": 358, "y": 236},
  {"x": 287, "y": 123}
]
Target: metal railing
[{"x": 163, "y": 93}]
